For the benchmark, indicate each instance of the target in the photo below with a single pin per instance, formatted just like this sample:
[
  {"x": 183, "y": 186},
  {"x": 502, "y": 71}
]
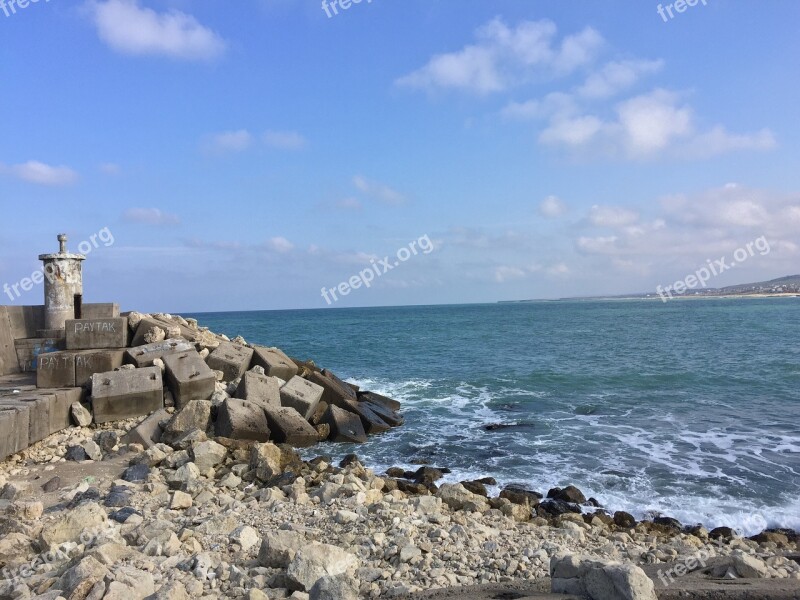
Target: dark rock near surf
[
  {"x": 553, "y": 508},
  {"x": 725, "y": 533},
  {"x": 395, "y": 472},
  {"x": 476, "y": 487},
  {"x": 624, "y": 520},
  {"x": 567, "y": 494},
  {"x": 348, "y": 460},
  {"x": 668, "y": 522},
  {"x": 517, "y": 494},
  {"x": 504, "y": 426}
]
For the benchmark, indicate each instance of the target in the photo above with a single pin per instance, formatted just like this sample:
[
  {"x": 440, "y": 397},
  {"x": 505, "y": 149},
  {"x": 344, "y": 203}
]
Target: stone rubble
[{"x": 201, "y": 502}]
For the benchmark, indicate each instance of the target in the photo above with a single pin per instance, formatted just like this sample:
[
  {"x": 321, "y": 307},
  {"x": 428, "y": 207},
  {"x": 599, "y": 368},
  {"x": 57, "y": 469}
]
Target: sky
[{"x": 213, "y": 156}]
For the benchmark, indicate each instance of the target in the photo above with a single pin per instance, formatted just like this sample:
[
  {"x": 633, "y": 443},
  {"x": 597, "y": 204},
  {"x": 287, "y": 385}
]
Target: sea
[{"x": 689, "y": 409}]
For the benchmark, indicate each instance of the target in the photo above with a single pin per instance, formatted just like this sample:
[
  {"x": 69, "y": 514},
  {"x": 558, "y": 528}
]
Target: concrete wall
[
  {"x": 25, "y": 320},
  {"x": 8, "y": 355}
]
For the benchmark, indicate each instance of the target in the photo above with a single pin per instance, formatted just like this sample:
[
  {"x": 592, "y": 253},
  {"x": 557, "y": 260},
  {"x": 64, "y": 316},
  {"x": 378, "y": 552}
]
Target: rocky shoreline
[{"x": 98, "y": 511}]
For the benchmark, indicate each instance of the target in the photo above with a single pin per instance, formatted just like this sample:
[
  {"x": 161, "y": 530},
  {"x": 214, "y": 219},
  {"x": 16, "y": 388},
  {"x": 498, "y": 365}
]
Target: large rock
[
  {"x": 599, "y": 580},
  {"x": 265, "y": 460},
  {"x": 274, "y": 362},
  {"x": 242, "y": 420},
  {"x": 195, "y": 415},
  {"x": 118, "y": 395},
  {"x": 567, "y": 494},
  {"x": 68, "y": 525},
  {"x": 189, "y": 377},
  {"x": 260, "y": 389},
  {"x": 232, "y": 359},
  {"x": 314, "y": 561},
  {"x": 345, "y": 426},
  {"x": 340, "y": 587},
  {"x": 287, "y": 426},
  {"x": 81, "y": 416},
  {"x": 14, "y": 548},
  {"x": 457, "y": 497},
  {"x": 279, "y": 548},
  {"x": 207, "y": 455},
  {"x": 80, "y": 579},
  {"x": 301, "y": 395}
]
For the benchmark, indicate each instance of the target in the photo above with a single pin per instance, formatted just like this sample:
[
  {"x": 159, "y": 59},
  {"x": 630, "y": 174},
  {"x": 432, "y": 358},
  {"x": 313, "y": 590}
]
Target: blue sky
[{"x": 244, "y": 158}]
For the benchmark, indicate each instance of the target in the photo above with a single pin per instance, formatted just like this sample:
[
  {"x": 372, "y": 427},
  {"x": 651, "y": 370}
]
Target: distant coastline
[{"x": 783, "y": 287}]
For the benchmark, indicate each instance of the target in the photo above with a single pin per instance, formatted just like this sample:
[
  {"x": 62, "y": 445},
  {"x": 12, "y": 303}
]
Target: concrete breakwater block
[
  {"x": 14, "y": 426},
  {"x": 55, "y": 369},
  {"x": 335, "y": 391},
  {"x": 392, "y": 417},
  {"x": 188, "y": 377},
  {"x": 100, "y": 310},
  {"x": 345, "y": 426},
  {"x": 94, "y": 334},
  {"x": 260, "y": 389},
  {"x": 301, "y": 395},
  {"x": 371, "y": 420},
  {"x": 39, "y": 411},
  {"x": 120, "y": 395},
  {"x": 287, "y": 426},
  {"x": 89, "y": 362},
  {"x": 148, "y": 432},
  {"x": 274, "y": 362},
  {"x": 242, "y": 420},
  {"x": 143, "y": 356},
  {"x": 375, "y": 398},
  {"x": 28, "y": 351},
  {"x": 232, "y": 359}
]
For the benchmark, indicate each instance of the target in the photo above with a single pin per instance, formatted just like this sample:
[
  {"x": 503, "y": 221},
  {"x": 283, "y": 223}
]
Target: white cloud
[
  {"x": 40, "y": 173},
  {"x": 572, "y": 131},
  {"x": 285, "y": 140},
  {"x": 693, "y": 229},
  {"x": 280, "y": 245},
  {"x": 228, "y": 141},
  {"x": 378, "y": 191},
  {"x": 612, "y": 216},
  {"x": 598, "y": 245},
  {"x": 646, "y": 127},
  {"x": 556, "y": 103},
  {"x": 617, "y": 76},
  {"x": 506, "y": 56},
  {"x": 506, "y": 273},
  {"x": 132, "y": 29},
  {"x": 559, "y": 269},
  {"x": 552, "y": 206},
  {"x": 150, "y": 216}
]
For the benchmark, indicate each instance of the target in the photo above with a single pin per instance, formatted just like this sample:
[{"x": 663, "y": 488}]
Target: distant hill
[
  {"x": 783, "y": 285},
  {"x": 792, "y": 282}
]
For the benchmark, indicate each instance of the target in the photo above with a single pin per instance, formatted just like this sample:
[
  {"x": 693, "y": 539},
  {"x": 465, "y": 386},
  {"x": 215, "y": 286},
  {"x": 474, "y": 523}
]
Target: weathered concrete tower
[{"x": 63, "y": 288}]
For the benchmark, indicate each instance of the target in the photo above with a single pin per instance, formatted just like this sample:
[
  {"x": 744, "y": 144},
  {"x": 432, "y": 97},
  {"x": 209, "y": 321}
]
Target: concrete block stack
[{"x": 120, "y": 367}]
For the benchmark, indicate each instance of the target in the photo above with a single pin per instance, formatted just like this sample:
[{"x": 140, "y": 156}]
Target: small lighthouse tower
[{"x": 63, "y": 288}]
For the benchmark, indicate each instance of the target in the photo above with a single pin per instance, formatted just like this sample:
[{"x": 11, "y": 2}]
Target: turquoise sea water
[{"x": 690, "y": 408}]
